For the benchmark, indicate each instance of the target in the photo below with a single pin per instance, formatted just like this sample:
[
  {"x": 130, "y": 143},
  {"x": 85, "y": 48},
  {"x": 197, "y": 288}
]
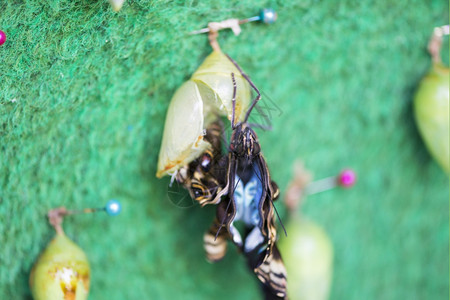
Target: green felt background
[{"x": 91, "y": 90}]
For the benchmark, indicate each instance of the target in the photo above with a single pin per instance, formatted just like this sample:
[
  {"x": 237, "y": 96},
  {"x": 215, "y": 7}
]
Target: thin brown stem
[
  {"x": 435, "y": 43},
  {"x": 56, "y": 217},
  {"x": 295, "y": 192},
  {"x": 212, "y": 36},
  {"x": 434, "y": 47}
]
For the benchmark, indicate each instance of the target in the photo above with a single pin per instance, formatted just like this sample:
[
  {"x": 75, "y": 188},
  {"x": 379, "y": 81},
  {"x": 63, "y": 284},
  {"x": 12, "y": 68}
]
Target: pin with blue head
[
  {"x": 113, "y": 207},
  {"x": 57, "y": 215},
  {"x": 266, "y": 16}
]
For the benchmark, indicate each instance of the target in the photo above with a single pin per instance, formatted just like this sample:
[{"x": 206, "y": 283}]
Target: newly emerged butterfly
[
  {"x": 247, "y": 198},
  {"x": 238, "y": 181}
]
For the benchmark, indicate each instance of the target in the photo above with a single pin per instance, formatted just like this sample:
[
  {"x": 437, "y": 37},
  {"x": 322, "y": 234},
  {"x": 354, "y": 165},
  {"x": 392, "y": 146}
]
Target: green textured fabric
[{"x": 83, "y": 97}]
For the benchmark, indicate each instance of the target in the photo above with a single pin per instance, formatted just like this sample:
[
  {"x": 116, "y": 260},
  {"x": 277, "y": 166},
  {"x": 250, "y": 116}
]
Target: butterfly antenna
[
  {"x": 223, "y": 220},
  {"x": 276, "y": 211},
  {"x": 226, "y": 211},
  {"x": 279, "y": 219},
  {"x": 258, "y": 96}
]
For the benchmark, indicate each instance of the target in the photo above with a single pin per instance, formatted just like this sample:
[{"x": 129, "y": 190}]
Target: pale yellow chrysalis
[
  {"x": 197, "y": 103},
  {"x": 183, "y": 132},
  {"x": 431, "y": 111},
  {"x": 62, "y": 272},
  {"x": 308, "y": 256},
  {"x": 431, "y": 103}
]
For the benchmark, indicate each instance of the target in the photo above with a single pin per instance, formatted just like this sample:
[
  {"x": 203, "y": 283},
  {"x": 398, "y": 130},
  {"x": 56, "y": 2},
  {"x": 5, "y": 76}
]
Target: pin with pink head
[
  {"x": 2, "y": 37},
  {"x": 346, "y": 178},
  {"x": 301, "y": 185}
]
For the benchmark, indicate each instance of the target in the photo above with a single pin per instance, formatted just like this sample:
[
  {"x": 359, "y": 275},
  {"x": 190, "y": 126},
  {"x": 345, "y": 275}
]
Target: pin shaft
[
  {"x": 321, "y": 185},
  {"x": 84, "y": 211}
]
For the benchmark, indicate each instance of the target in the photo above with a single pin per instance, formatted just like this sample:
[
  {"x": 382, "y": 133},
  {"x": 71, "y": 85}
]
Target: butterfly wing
[{"x": 272, "y": 274}]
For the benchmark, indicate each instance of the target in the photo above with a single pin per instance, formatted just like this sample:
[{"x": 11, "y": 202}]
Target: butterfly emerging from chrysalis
[{"x": 237, "y": 178}]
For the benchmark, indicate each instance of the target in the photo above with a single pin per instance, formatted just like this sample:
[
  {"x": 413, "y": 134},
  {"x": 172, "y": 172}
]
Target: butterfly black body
[
  {"x": 248, "y": 198},
  {"x": 258, "y": 241}
]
